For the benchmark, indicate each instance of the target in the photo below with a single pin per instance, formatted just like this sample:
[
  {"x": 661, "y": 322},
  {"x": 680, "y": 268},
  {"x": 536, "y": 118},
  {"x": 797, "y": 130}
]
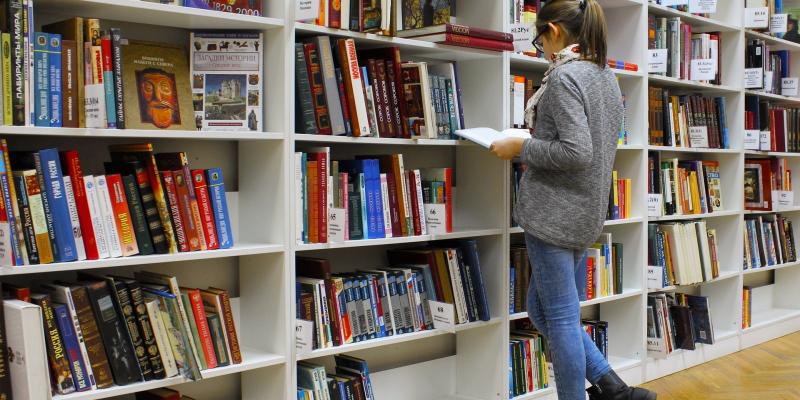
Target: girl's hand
[{"x": 507, "y": 148}]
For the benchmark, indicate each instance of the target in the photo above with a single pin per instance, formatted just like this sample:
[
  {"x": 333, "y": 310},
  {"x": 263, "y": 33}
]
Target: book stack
[
  {"x": 384, "y": 17},
  {"x": 687, "y": 251},
  {"x": 603, "y": 272},
  {"x": 112, "y": 330},
  {"x": 687, "y": 187},
  {"x": 677, "y": 321},
  {"x": 524, "y": 12},
  {"x": 368, "y": 304},
  {"x": 371, "y": 197},
  {"x": 341, "y": 91},
  {"x": 686, "y": 120},
  {"x": 162, "y": 394},
  {"x": 528, "y": 362},
  {"x": 768, "y": 240},
  {"x": 598, "y": 332},
  {"x": 781, "y": 122},
  {"x": 522, "y": 89},
  {"x": 81, "y": 76},
  {"x": 773, "y": 65},
  {"x": 143, "y": 203},
  {"x": 351, "y": 380},
  {"x": 619, "y": 197},
  {"x": 683, "y": 47},
  {"x": 465, "y": 36},
  {"x": 764, "y": 180},
  {"x": 246, "y": 7}
]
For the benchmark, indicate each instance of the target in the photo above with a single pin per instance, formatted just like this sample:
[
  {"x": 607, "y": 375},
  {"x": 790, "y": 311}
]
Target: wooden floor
[{"x": 765, "y": 372}]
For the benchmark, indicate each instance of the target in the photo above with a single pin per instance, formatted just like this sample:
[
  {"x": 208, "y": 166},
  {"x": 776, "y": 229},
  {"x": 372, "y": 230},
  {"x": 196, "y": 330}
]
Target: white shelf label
[
  {"x": 435, "y": 218},
  {"x": 523, "y": 36},
  {"x": 657, "y": 60},
  {"x": 756, "y": 17},
  {"x": 655, "y": 277},
  {"x": 698, "y": 136},
  {"x": 704, "y": 69},
  {"x": 778, "y": 23},
  {"x": 306, "y": 10},
  {"x": 752, "y": 139},
  {"x": 702, "y": 6},
  {"x": 765, "y": 141},
  {"x": 303, "y": 336},
  {"x": 785, "y": 199},
  {"x": 789, "y": 86},
  {"x": 753, "y": 78},
  {"x": 654, "y": 204},
  {"x": 443, "y": 314},
  {"x": 668, "y": 3},
  {"x": 337, "y": 224}
]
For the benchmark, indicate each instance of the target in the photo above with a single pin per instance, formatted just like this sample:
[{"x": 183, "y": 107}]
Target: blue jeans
[{"x": 554, "y": 308}]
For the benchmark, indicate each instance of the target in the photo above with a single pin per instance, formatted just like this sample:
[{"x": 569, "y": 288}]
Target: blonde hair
[{"x": 584, "y": 23}]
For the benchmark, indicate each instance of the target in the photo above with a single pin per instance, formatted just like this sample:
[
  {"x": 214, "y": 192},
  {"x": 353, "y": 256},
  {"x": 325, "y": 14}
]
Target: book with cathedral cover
[{"x": 226, "y": 73}]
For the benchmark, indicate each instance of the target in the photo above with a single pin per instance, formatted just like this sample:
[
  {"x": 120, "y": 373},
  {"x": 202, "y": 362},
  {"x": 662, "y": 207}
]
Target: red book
[
  {"x": 378, "y": 96},
  {"x": 335, "y": 14},
  {"x": 122, "y": 215},
  {"x": 189, "y": 226},
  {"x": 458, "y": 30},
  {"x": 11, "y": 291},
  {"x": 333, "y": 310},
  {"x": 199, "y": 313},
  {"x": 528, "y": 363},
  {"x": 178, "y": 161},
  {"x": 394, "y": 211},
  {"x": 322, "y": 194},
  {"x": 175, "y": 213},
  {"x": 412, "y": 185},
  {"x": 468, "y": 41},
  {"x": 206, "y": 213},
  {"x": 312, "y": 201},
  {"x": 105, "y": 48},
  {"x": 621, "y": 196},
  {"x": 71, "y": 164}
]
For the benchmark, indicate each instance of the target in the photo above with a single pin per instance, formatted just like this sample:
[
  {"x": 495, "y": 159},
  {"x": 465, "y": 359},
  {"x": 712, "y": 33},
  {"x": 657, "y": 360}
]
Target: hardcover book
[
  {"x": 424, "y": 13},
  {"x": 98, "y": 361},
  {"x": 219, "y": 203},
  {"x": 160, "y": 95},
  {"x": 122, "y": 215},
  {"x": 49, "y": 166},
  {"x": 204, "y": 207},
  {"x": 78, "y": 353},
  {"x": 27, "y": 356},
  {"x": 227, "y": 73},
  {"x": 70, "y": 342},
  {"x": 246, "y": 7},
  {"x": 60, "y": 374}
]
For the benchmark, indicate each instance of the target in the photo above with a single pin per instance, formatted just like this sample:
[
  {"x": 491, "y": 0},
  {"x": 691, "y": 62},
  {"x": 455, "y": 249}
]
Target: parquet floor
[{"x": 770, "y": 371}]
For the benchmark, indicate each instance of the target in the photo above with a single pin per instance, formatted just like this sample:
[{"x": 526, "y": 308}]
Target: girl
[{"x": 576, "y": 115}]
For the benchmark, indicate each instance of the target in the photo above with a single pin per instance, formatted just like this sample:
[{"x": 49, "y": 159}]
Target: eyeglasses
[{"x": 537, "y": 41}]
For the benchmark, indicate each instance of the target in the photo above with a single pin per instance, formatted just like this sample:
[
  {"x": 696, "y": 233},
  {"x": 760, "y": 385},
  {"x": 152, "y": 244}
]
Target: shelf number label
[
  {"x": 698, "y": 136},
  {"x": 789, "y": 86},
  {"x": 753, "y": 78},
  {"x": 752, "y": 139},
  {"x": 306, "y": 10},
  {"x": 778, "y": 23},
  {"x": 657, "y": 60},
  {"x": 523, "y": 36},
  {"x": 756, "y": 17},
  {"x": 443, "y": 315},
  {"x": 702, "y": 6},
  {"x": 303, "y": 339},
  {"x": 704, "y": 69},
  {"x": 654, "y": 204}
]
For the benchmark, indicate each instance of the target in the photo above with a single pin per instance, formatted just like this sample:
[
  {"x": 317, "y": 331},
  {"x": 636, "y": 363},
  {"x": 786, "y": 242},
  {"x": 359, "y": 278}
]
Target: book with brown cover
[
  {"x": 458, "y": 29},
  {"x": 69, "y": 84},
  {"x": 91, "y": 336},
  {"x": 372, "y": 74},
  {"x": 394, "y": 73},
  {"x": 174, "y": 210},
  {"x": 228, "y": 324},
  {"x": 179, "y": 161},
  {"x": 318, "y": 98},
  {"x": 60, "y": 374}
]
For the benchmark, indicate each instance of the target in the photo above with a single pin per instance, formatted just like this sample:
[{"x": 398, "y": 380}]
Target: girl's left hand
[{"x": 507, "y": 148}]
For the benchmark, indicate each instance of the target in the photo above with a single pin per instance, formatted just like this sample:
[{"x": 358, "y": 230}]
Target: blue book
[
  {"x": 369, "y": 306},
  {"x": 723, "y": 125},
  {"x": 380, "y": 324},
  {"x": 511, "y": 300},
  {"x": 219, "y": 204},
  {"x": 5, "y": 185},
  {"x": 41, "y": 80},
  {"x": 362, "y": 193},
  {"x": 371, "y": 194},
  {"x": 469, "y": 248},
  {"x": 377, "y": 197},
  {"x": 53, "y": 188},
  {"x": 54, "y": 68},
  {"x": 71, "y": 347}
]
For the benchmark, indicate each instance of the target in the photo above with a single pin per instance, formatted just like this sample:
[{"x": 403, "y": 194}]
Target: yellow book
[
  {"x": 695, "y": 192},
  {"x": 628, "y": 198},
  {"x": 34, "y": 192},
  {"x": 7, "y": 98},
  {"x": 615, "y": 189}
]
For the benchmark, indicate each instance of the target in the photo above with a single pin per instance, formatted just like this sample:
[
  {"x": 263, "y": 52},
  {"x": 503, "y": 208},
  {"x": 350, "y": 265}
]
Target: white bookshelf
[{"x": 470, "y": 362}]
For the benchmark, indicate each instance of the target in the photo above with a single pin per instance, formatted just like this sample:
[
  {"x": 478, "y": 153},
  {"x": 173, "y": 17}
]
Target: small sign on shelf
[
  {"x": 655, "y": 277},
  {"x": 523, "y": 36},
  {"x": 778, "y": 23},
  {"x": 789, "y": 86},
  {"x": 443, "y": 314},
  {"x": 756, "y": 17},
  {"x": 657, "y": 60},
  {"x": 303, "y": 336},
  {"x": 337, "y": 225},
  {"x": 704, "y": 69},
  {"x": 654, "y": 204},
  {"x": 752, "y": 139},
  {"x": 702, "y": 6},
  {"x": 753, "y": 78}
]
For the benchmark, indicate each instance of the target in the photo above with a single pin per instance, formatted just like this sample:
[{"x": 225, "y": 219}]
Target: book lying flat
[{"x": 486, "y": 136}]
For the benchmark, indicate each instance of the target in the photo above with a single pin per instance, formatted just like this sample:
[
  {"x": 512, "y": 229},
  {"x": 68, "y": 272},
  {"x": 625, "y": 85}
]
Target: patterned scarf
[{"x": 566, "y": 55}]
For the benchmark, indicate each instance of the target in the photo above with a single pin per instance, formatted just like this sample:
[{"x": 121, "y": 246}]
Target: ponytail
[{"x": 584, "y": 23}]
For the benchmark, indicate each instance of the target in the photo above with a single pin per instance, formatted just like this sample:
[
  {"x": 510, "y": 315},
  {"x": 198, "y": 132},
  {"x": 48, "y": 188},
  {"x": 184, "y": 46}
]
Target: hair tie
[{"x": 583, "y": 5}]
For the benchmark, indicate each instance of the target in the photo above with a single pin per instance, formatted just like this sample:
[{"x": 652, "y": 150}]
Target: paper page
[{"x": 485, "y": 136}]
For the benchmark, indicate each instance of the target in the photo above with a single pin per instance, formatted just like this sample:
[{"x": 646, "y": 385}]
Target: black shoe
[{"x": 611, "y": 387}]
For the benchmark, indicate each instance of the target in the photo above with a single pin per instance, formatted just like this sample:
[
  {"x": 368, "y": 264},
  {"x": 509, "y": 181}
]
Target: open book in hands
[{"x": 486, "y": 136}]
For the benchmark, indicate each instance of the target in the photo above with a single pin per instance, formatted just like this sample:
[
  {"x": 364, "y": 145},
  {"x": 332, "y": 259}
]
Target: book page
[{"x": 485, "y": 136}]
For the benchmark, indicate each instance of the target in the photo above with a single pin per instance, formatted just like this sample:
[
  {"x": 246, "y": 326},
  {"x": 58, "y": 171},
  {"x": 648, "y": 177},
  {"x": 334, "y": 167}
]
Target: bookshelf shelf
[
  {"x": 716, "y": 214},
  {"x": 667, "y": 81},
  {"x": 783, "y": 211},
  {"x": 251, "y": 359},
  {"x": 663, "y": 289},
  {"x": 81, "y": 133},
  {"x": 774, "y": 42},
  {"x": 699, "y": 24},
  {"x": 122, "y": 390},
  {"x": 239, "y": 249},
  {"x": 625, "y": 221},
  {"x": 536, "y": 395},
  {"x": 776, "y": 97},
  {"x": 527, "y": 63},
  {"x": 458, "y": 234},
  {"x": 301, "y": 137},
  {"x": 771, "y": 153},
  {"x": 673, "y": 149},
  {"x": 630, "y": 147},
  {"x": 626, "y": 293},
  {"x": 765, "y": 318},
  {"x": 723, "y": 275},
  {"x": 161, "y": 14},
  {"x": 770, "y": 268}
]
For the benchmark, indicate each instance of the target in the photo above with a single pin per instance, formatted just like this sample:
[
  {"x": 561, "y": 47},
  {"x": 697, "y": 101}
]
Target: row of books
[
  {"x": 686, "y": 120},
  {"x": 781, "y": 125},
  {"x": 83, "y": 76},
  {"x": 112, "y": 330},
  {"x": 684, "y": 48},
  {"x": 768, "y": 240},
  {"x": 764, "y": 181},
  {"x": 598, "y": 332},
  {"x": 772, "y": 65},
  {"x": 370, "y": 197},
  {"x": 350, "y": 382},
  {"x": 246, "y": 7},
  {"x": 603, "y": 270},
  {"x": 385, "y": 17},
  {"x": 619, "y": 197},
  {"x": 686, "y": 187},
  {"x": 374, "y": 303},
  {"x": 145, "y": 203},
  {"x": 342, "y": 91},
  {"x": 529, "y": 366},
  {"x": 686, "y": 251},
  {"x": 677, "y": 321}
]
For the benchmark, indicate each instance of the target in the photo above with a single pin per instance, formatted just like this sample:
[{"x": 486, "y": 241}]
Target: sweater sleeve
[{"x": 571, "y": 149}]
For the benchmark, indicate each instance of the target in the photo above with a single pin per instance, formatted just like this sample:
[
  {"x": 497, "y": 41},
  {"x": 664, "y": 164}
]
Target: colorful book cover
[
  {"x": 108, "y": 81},
  {"x": 54, "y": 190},
  {"x": 54, "y": 72},
  {"x": 41, "y": 80},
  {"x": 219, "y": 203},
  {"x": 423, "y": 13},
  {"x": 206, "y": 212},
  {"x": 70, "y": 342},
  {"x": 246, "y": 7},
  {"x": 73, "y": 217}
]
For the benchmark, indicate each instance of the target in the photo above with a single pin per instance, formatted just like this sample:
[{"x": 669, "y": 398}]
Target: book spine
[
  {"x": 116, "y": 58},
  {"x": 50, "y": 167},
  {"x": 191, "y": 229},
  {"x": 151, "y": 212},
  {"x": 415, "y": 216},
  {"x": 193, "y": 207},
  {"x": 122, "y": 217},
  {"x": 203, "y": 329},
  {"x": 331, "y": 87},
  {"x": 305, "y": 114},
  {"x": 13, "y": 253},
  {"x": 60, "y": 373},
  {"x": 91, "y": 336},
  {"x": 73, "y": 218},
  {"x": 354, "y": 87},
  {"x": 138, "y": 220},
  {"x": 42, "y": 80},
  {"x": 195, "y": 334},
  {"x": 93, "y": 203},
  {"x": 72, "y": 165},
  {"x": 27, "y": 224},
  {"x": 372, "y": 72},
  {"x": 14, "y": 10},
  {"x": 215, "y": 328},
  {"x": 230, "y": 327},
  {"x": 394, "y": 206},
  {"x": 162, "y": 339},
  {"x": 312, "y": 200},
  {"x": 69, "y": 341},
  {"x": 146, "y": 330},
  {"x": 387, "y": 217},
  {"x": 387, "y": 98},
  {"x": 206, "y": 212},
  {"x": 322, "y": 117},
  {"x": 108, "y": 82},
  {"x": 54, "y": 71},
  {"x": 172, "y": 198},
  {"x": 46, "y": 207},
  {"x": 69, "y": 82},
  {"x": 38, "y": 217},
  {"x": 219, "y": 203},
  {"x": 322, "y": 198},
  {"x": 28, "y": 35},
  {"x": 125, "y": 310},
  {"x": 343, "y": 101},
  {"x": 107, "y": 216}
]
